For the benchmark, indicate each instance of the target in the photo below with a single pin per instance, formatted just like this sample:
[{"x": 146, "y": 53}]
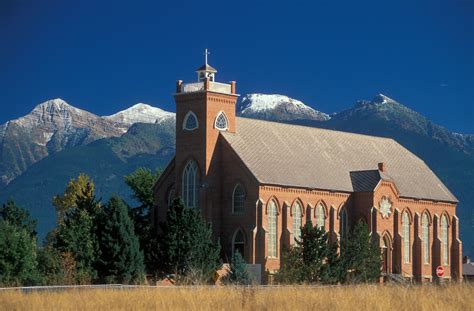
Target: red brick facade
[{"x": 220, "y": 169}]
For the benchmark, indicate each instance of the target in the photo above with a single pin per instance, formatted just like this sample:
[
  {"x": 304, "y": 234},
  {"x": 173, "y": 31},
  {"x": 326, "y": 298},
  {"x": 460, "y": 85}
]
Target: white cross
[{"x": 205, "y": 55}]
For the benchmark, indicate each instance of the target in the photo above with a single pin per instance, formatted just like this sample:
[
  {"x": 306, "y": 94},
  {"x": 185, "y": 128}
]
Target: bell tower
[{"x": 203, "y": 110}]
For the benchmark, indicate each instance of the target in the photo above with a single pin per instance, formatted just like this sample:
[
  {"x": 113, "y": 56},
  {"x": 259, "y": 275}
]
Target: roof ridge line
[{"x": 317, "y": 128}]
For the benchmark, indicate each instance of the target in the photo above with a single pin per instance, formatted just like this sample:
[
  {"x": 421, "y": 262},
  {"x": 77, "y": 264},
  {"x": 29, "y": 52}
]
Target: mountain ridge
[
  {"x": 450, "y": 155},
  {"x": 55, "y": 125}
]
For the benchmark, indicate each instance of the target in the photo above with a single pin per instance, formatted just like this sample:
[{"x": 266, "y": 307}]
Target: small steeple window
[
  {"x": 221, "y": 122},
  {"x": 190, "y": 121}
]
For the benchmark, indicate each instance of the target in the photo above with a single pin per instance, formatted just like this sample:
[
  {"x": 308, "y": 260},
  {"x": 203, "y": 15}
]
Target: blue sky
[{"x": 105, "y": 57}]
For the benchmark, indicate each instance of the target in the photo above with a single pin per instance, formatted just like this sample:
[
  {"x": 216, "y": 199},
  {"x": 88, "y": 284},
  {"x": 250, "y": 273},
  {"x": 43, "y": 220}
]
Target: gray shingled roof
[
  {"x": 468, "y": 269},
  {"x": 365, "y": 181},
  {"x": 206, "y": 67},
  {"x": 299, "y": 156}
]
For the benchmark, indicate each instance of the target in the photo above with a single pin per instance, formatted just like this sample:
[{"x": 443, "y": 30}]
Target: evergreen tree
[
  {"x": 360, "y": 256},
  {"x": 121, "y": 259},
  {"x": 18, "y": 264},
  {"x": 331, "y": 271},
  {"x": 78, "y": 212},
  {"x": 291, "y": 267},
  {"x": 314, "y": 249},
  {"x": 18, "y": 217},
  {"x": 188, "y": 251},
  {"x": 204, "y": 255},
  {"x": 238, "y": 274},
  {"x": 76, "y": 235},
  {"x": 312, "y": 260},
  {"x": 141, "y": 182}
]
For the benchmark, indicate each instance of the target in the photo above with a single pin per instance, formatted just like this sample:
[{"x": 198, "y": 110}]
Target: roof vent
[{"x": 382, "y": 167}]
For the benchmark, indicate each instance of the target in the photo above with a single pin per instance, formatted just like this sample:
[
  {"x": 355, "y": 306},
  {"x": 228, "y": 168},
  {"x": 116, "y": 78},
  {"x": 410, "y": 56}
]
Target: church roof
[
  {"x": 306, "y": 157},
  {"x": 206, "y": 67},
  {"x": 365, "y": 181}
]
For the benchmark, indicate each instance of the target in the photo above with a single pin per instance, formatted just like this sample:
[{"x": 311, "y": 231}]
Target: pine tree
[
  {"x": 188, "y": 251},
  {"x": 204, "y": 256},
  {"x": 291, "y": 267},
  {"x": 307, "y": 261},
  {"x": 314, "y": 249},
  {"x": 360, "y": 256},
  {"x": 331, "y": 271},
  {"x": 141, "y": 182},
  {"x": 238, "y": 274},
  {"x": 121, "y": 259},
  {"x": 18, "y": 264},
  {"x": 76, "y": 235},
  {"x": 18, "y": 217}
]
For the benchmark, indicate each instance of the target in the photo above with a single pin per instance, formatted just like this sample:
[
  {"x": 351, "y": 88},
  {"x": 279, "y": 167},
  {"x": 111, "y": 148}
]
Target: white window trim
[
  {"x": 226, "y": 121},
  {"x": 406, "y": 237},
  {"x": 320, "y": 217},
  {"x": 297, "y": 212},
  {"x": 193, "y": 168},
  {"x": 425, "y": 225},
  {"x": 185, "y": 120},
  {"x": 274, "y": 245},
  {"x": 444, "y": 240}
]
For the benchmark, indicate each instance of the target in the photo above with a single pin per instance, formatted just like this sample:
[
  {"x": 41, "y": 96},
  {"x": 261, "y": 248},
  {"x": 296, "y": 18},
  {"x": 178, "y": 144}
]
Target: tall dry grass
[{"x": 430, "y": 298}]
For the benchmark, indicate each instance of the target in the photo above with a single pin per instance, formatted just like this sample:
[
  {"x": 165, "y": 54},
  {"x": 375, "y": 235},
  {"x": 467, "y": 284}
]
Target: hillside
[
  {"x": 106, "y": 161},
  {"x": 449, "y": 155}
]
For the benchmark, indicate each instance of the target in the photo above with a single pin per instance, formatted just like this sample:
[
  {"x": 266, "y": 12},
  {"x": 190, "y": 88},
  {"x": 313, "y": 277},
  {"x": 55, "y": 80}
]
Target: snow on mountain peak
[
  {"x": 278, "y": 107},
  {"x": 140, "y": 113},
  {"x": 382, "y": 99}
]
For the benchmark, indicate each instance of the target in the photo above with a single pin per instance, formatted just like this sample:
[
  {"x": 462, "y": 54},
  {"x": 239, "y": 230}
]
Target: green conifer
[
  {"x": 121, "y": 259},
  {"x": 238, "y": 274}
]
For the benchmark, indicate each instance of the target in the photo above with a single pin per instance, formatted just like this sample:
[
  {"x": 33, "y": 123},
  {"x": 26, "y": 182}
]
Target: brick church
[{"x": 257, "y": 182}]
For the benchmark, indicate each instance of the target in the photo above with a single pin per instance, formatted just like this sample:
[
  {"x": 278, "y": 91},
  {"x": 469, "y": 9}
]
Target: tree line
[
  {"x": 314, "y": 259},
  {"x": 112, "y": 242}
]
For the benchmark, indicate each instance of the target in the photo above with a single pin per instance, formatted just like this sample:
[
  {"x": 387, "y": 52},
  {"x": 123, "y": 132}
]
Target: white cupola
[{"x": 206, "y": 71}]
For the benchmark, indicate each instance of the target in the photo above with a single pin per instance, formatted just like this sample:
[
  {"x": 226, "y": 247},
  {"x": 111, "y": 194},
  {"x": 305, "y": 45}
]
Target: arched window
[
  {"x": 320, "y": 216},
  {"x": 343, "y": 224},
  {"x": 426, "y": 238},
  {"x": 171, "y": 195},
  {"x": 239, "y": 243},
  {"x": 238, "y": 199},
  {"x": 406, "y": 237},
  {"x": 221, "y": 122},
  {"x": 444, "y": 240},
  {"x": 272, "y": 229},
  {"x": 190, "y": 189},
  {"x": 297, "y": 219},
  {"x": 190, "y": 121}
]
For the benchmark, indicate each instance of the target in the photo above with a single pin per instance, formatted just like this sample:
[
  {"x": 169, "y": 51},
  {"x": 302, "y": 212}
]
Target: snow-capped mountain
[
  {"x": 384, "y": 116},
  {"x": 277, "y": 108},
  {"x": 55, "y": 125},
  {"x": 50, "y": 127},
  {"x": 139, "y": 113}
]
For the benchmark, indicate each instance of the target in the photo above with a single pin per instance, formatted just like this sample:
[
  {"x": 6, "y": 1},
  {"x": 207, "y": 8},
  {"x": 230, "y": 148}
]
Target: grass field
[{"x": 430, "y": 298}]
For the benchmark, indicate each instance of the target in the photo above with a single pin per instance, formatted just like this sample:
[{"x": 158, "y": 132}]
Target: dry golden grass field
[{"x": 430, "y": 298}]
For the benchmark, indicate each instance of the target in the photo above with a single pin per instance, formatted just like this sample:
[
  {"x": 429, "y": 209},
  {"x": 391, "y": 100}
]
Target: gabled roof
[
  {"x": 306, "y": 157},
  {"x": 206, "y": 67},
  {"x": 365, "y": 181}
]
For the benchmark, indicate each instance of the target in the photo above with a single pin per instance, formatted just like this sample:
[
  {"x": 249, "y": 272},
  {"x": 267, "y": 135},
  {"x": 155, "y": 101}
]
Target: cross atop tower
[
  {"x": 206, "y": 52},
  {"x": 206, "y": 71}
]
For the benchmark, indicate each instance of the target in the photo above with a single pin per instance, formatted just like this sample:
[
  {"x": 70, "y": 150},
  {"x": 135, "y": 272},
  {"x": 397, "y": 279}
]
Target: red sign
[{"x": 440, "y": 271}]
